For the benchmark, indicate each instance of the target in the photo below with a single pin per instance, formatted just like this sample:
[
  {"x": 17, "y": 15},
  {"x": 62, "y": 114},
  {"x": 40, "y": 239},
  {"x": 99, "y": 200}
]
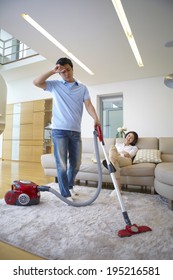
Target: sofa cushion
[
  {"x": 166, "y": 145},
  {"x": 108, "y": 142},
  {"x": 164, "y": 173},
  {"x": 138, "y": 170},
  {"x": 48, "y": 161},
  {"x": 147, "y": 155},
  {"x": 89, "y": 167},
  {"x": 166, "y": 148},
  {"x": 148, "y": 143}
]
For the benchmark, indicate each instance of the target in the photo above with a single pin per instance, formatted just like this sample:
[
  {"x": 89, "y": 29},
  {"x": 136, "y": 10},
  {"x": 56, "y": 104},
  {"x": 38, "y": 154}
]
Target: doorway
[{"x": 110, "y": 108}]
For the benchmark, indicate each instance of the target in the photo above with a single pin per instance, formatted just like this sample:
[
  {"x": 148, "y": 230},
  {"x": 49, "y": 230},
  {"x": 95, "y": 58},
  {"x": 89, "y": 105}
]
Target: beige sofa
[
  {"x": 163, "y": 182},
  {"x": 145, "y": 174}
]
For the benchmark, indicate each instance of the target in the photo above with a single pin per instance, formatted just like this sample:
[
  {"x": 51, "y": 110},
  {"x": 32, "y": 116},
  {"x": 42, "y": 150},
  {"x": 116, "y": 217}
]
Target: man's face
[{"x": 67, "y": 73}]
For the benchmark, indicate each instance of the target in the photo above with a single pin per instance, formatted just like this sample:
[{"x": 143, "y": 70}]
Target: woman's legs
[
  {"x": 118, "y": 162},
  {"x": 113, "y": 155}
]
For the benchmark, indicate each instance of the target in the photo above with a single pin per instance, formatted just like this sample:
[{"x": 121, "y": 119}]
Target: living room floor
[{"x": 15, "y": 170}]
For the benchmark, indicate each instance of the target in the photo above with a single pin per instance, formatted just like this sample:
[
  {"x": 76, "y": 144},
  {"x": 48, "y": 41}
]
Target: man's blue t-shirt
[{"x": 68, "y": 101}]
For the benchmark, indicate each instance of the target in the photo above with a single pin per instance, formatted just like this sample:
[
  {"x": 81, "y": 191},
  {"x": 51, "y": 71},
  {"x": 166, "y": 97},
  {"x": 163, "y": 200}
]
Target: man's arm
[
  {"x": 91, "y": 110},
  {"x": 41, "y": 80}
]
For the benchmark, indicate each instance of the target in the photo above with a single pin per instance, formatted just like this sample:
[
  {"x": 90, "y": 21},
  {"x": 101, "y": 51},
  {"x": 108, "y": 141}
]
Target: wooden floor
[{"x": 13, "y": 170}]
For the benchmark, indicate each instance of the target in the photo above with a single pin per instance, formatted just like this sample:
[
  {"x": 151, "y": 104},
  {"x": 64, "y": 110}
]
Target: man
[{"x": 68, "y": 98}]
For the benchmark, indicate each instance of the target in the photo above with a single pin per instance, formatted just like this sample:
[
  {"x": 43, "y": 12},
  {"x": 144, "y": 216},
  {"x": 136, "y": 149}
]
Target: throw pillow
[{"x": 147, "y": 155}]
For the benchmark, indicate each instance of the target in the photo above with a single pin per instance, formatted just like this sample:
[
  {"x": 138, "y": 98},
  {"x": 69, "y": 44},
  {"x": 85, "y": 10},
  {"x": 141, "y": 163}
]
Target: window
[{"x": 110, "y": 110}]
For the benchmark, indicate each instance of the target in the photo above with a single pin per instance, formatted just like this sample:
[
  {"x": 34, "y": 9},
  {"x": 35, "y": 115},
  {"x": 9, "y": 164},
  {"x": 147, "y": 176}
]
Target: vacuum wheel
[
  {"x": 10, "y": 197},
  {"x": 23, "y": 199}
]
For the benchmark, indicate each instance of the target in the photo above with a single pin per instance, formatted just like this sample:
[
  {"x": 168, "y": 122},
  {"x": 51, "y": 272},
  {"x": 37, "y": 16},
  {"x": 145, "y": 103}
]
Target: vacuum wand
[
  {"x": 112, "y": 171},
  {"x": 130, "y": 228}
]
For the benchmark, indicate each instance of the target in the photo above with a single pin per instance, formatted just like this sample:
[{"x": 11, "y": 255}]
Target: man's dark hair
[
  {"x": 64, "y": 60},
  {"x": 135, "y": 137}
]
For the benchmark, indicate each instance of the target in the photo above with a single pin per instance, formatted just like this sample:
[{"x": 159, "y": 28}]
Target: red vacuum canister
[{"x": 23, "y": 193}]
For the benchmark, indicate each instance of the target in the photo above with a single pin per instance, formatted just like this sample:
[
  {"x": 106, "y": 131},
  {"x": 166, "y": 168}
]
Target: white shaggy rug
[{"x": 57, "y": 231}]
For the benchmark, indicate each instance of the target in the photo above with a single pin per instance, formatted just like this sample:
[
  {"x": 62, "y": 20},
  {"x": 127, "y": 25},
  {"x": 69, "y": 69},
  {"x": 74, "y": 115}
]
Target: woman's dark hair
[
  {"x": 135, "y": 137},
  {"x": 63, "y": 61}
]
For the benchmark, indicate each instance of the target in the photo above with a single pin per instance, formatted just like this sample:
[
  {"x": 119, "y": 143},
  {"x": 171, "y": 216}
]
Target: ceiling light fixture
[
  {"x": 55, "y": 42},
  {"x": 124, "y": 22},
  {"x": 168, "y": 81}
]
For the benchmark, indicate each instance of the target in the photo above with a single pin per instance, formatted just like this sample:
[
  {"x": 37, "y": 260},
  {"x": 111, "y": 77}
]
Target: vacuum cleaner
[{"x": 25, "y": 193}]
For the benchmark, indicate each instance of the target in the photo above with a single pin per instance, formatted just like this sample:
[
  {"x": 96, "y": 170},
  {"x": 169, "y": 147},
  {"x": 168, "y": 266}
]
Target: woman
[{"x": 122, "y": 154}]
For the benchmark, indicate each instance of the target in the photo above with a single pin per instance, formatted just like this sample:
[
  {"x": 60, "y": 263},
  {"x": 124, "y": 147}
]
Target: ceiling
[{"x": 92, "y": 31}]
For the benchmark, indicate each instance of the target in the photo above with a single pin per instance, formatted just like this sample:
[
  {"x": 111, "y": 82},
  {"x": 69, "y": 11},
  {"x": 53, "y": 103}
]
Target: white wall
[
  {"x": 148, "y": 104},
  {"x": 24, "y": 90}
]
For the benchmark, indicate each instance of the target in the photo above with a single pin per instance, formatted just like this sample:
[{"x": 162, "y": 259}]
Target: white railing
[{"x": 12, "y": 50}]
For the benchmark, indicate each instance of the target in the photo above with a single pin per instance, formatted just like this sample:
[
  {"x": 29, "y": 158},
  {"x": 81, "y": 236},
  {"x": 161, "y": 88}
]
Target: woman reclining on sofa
[{"x": 122, "y": 154}]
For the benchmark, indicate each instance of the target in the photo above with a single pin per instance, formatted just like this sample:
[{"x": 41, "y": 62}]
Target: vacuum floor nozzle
[{"x": 132, "y": 230}]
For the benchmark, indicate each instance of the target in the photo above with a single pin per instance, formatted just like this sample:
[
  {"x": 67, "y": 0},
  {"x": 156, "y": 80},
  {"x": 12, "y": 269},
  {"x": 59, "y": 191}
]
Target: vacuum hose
[{"x": 98, "y": 189}]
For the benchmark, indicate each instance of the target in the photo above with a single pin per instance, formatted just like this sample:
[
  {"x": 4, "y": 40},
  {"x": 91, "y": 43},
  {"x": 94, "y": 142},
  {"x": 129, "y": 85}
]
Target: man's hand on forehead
[{"x": 60, "y": 68}]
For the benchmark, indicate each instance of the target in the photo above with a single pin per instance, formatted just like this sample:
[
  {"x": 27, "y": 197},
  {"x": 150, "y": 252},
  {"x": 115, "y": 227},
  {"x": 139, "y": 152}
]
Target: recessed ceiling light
[
  {"x": 124, "y": 22},
  {"x": 55, "y": 42}
]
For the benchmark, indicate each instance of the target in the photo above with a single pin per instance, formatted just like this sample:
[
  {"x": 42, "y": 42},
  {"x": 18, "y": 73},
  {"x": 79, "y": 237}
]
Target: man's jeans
[{"x": 67, "y": 152}]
